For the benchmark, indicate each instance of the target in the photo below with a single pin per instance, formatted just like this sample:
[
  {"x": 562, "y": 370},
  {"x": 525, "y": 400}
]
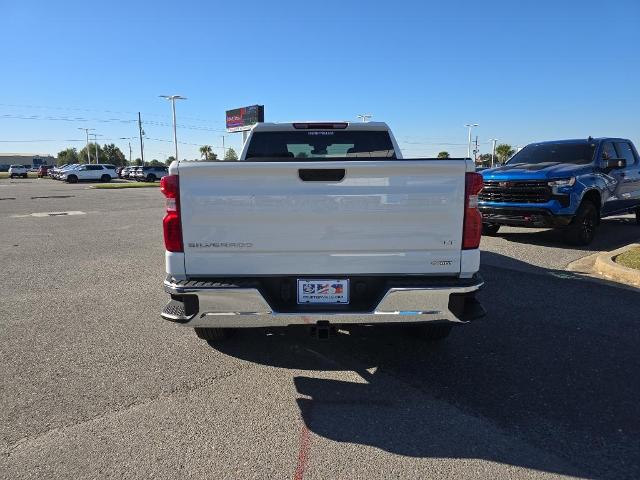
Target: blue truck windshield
[{"x": 578, "y": 153}]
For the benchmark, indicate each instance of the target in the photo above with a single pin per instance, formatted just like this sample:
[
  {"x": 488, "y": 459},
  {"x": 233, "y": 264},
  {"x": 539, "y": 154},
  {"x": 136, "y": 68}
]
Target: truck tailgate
[{"x": 261, "y": 218}]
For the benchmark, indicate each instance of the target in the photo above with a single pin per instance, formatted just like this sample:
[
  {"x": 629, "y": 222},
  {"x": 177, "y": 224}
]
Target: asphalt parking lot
[{"x": 95, "y": 384}]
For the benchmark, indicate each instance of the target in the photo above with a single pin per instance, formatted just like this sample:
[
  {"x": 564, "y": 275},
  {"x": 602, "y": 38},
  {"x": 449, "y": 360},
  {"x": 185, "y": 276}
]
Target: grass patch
[
  {"x": 113, "y": 186},
  {"x": 630, "y": 258},
  {"x": 29, "y": 175}
]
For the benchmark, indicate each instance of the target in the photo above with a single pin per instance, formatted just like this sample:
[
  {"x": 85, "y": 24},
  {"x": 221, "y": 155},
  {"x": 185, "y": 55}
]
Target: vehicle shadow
[
  {"x": 612, "y": 233},
  {"x": 547, "y": 381}
]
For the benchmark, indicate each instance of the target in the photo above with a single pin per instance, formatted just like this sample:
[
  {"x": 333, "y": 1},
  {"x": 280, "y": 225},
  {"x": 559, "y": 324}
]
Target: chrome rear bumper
[{"x": 212, "y": 305}]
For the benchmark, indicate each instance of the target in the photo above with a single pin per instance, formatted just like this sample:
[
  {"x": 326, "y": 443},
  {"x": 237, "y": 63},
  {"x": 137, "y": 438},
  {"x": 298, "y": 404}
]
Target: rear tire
[
  {"x": 638, "y": 216},
  {"x": 105, "y": 178},
  {"x": 25, "y": 175},
  {"x": 151, "y": 178},
  {"x": 582, "y": 229},
  {"x": 490, "y": 229},
  {"x": 433, "y": 333},
  {"x": 213, "y": 335},
  {"x": 72, "y": 179}
]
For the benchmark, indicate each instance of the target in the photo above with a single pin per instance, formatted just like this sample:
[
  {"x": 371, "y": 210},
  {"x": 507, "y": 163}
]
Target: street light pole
[
  {"x": 493, "y": 151},
  {"x": 86, "y": 130},
  {"x": 95, "y": 141},
  {"x": 129, "y": 139},
  {"x": 470, "y": 126},
  {"x": 173, "y": 99}
]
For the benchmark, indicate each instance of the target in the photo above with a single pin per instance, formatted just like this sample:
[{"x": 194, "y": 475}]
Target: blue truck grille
[{"x": 515, "y": 192}]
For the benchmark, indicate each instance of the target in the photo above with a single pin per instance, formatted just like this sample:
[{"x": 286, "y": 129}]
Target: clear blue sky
[{"x": 524, "y": 71}]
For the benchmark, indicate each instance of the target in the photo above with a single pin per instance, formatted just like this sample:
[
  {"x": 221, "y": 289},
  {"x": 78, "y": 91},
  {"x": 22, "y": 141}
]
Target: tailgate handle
[{"x": 321, "y": 174}]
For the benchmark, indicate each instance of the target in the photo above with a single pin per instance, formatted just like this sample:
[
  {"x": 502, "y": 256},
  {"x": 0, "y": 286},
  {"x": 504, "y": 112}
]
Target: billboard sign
[{"x": 244, "y": 118}]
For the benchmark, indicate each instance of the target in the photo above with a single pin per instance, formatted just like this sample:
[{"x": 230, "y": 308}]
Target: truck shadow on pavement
[
  {"x": 612, "y": 233},
  {"x": 547, "y": 381}
]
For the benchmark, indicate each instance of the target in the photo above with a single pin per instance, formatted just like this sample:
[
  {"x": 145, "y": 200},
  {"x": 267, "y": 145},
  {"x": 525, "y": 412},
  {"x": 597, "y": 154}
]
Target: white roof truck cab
[{"x": 322, "y": 223}]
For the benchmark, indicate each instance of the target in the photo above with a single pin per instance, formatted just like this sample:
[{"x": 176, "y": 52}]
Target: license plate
[{"x": 323, "y": 291}]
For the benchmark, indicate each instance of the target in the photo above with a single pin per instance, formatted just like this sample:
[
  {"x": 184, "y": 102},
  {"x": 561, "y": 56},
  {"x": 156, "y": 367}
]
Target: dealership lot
[{"x": 96, "y": 384}]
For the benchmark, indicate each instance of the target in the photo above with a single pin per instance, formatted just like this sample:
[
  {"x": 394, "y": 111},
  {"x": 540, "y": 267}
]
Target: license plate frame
[{"x": 322, "y": 291}]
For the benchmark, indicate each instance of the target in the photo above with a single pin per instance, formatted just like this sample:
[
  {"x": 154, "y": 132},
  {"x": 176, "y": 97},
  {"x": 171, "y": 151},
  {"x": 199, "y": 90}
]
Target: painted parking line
[{"x": 50, "y": 214}]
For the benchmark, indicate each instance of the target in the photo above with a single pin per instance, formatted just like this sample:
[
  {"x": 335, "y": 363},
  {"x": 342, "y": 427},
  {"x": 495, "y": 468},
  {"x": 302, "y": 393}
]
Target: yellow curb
[{"x": 608, "y": 268}]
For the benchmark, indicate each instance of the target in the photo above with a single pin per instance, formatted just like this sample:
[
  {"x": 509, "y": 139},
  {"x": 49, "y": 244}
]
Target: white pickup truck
[{"x": 322, "y": 224}]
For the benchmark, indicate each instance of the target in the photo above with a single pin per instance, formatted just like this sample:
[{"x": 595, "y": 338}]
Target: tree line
[
  {"x": 110, "y": 153},
  {"x": 504, "y": 152}
]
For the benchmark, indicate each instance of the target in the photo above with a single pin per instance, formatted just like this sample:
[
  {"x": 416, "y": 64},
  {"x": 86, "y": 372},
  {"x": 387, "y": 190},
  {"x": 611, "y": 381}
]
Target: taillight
[
  {"x": 472, "y": 229},
  {"x": 172, "y": 226}
]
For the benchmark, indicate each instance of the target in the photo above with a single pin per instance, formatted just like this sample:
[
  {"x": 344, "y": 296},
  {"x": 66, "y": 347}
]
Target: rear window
[{"x": 320, "y": 145}]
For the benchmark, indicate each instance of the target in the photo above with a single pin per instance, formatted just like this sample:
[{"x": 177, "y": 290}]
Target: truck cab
[{"x": 566, "y": 184}]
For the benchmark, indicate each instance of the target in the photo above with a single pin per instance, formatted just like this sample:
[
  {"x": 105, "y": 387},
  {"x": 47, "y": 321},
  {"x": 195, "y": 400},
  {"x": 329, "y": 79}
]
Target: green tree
[
  {"x": 169, "y": 159},
  {"x": 230, "y": 154},
  {"x": 302, "y": 155},
  {"x": 484, "y": 159},
  {"x": 206, "y": 151},
  {"x": 504, "y": 152},
  {"x": 443, "y": 155},
  {"x": 114, "y": 155},
  {"x": 67, "y": 156},
  {"x": 82, "y": 155},
  {"x": 155, "y": 163}
]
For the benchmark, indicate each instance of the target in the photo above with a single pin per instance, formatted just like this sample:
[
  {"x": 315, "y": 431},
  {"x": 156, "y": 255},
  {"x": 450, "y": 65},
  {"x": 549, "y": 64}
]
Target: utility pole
[
  {"x": 173, "y": 99},
  {"x": 364, "y": 117},
  {"x": 470, "y": 126},
  {"x": 86, "y": 130},
  {"x": 141, "y": 133},
  {"x": 493, "y": 151},
  {"x": 224, "y": 151}
]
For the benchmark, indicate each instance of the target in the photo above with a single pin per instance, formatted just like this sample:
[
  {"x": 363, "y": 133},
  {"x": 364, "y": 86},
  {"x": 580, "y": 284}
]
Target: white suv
[
  {"x": 18, "y": 171},
  {"x": 100, "y": 172}
]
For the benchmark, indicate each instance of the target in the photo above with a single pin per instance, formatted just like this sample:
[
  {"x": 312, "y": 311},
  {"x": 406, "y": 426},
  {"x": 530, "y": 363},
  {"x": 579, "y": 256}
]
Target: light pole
[
  {"x": 470, "y": 126},
  {"x": 128, "y": 138},
  {"x": 173, "y": 99},
  {"x": 95, "y": 141},
  {"x": 493, "y": 151},
  {"x": 86, "y": 130},
  {"x": 364, "y": 117}
]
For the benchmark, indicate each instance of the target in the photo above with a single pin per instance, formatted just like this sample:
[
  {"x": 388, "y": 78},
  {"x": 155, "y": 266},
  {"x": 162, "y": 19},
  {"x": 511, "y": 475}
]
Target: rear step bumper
[{"x": 215, "y": 304}]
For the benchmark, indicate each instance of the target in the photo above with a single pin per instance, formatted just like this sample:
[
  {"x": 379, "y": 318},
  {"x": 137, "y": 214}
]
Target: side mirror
[{"x": 612, "y": 163}]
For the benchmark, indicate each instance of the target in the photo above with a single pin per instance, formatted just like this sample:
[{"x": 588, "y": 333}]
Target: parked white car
[
  {"x": 90, "y": 172},
  {"x": 18, "y": 171},
  {"x": 151, "y": 174}
]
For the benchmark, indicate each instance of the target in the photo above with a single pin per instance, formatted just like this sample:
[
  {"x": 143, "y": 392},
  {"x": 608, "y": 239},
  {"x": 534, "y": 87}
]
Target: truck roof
[{"x": 290, "y": 126}]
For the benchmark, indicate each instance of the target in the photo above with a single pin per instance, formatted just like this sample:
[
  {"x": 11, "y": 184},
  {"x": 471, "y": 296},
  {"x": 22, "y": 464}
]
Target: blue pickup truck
[{"x": 569, "y": 184}]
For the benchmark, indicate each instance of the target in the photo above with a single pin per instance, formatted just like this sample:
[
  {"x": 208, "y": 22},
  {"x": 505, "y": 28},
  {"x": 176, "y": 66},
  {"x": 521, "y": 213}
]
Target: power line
[
  {"x": 65, "y": 119},
  {"x": 82, "y": 109}
]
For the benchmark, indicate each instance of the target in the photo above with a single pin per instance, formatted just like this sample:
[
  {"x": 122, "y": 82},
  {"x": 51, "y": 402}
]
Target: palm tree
[
  {"x": 504, "y": 152},
  {"x": 205, "y": 151}
]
